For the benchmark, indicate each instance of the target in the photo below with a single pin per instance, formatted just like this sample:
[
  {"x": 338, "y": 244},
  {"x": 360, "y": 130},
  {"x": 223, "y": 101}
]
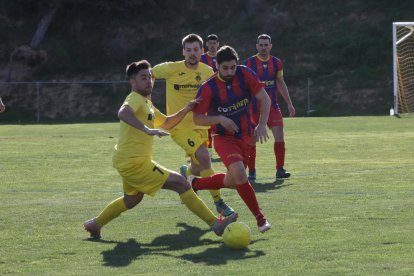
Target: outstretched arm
[
  {"x": 174, "y": 119},
  {"x": 126, "y": 114}
]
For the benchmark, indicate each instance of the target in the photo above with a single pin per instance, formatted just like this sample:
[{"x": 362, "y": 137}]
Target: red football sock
[
  {"x": 248, "y": 195},
  {"x": 251, "y": 162},
  {"x": 279, "y": 149},
  {"x": 213, "y": 182}
]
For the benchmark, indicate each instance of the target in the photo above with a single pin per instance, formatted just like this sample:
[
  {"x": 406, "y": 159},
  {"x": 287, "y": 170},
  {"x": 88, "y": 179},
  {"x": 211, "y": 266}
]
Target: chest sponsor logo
[
  {"x": 234, "y": 108},
  {"x": 186, "y": 87}
]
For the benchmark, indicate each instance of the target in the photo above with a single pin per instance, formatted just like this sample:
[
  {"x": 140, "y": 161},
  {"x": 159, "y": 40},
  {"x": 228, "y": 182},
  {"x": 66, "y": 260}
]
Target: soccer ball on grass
[{"x": 237, "y": 235}]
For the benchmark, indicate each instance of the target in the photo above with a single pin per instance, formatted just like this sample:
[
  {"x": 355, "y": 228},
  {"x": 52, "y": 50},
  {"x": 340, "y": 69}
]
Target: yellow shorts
[
  {"x": 143, "y": 175},
  {"x": 190, "y": 140}
]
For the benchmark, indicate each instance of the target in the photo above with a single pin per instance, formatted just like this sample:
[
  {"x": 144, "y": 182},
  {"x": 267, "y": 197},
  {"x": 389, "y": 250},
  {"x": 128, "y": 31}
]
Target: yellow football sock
[
  {"x": 188, "y": 171},
  {"x": 113, "y": 210},
  {"x": 197, "y": 206},
  {"x": 214, "y": 193}
]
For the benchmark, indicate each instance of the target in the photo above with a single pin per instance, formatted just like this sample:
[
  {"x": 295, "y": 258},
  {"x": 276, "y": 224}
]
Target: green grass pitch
[{"x": 348, "y": 208}]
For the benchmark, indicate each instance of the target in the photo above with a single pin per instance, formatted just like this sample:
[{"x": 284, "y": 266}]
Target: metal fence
[
  {"x": 48, "y": 101},
  {"x": 80, "y": 101}
]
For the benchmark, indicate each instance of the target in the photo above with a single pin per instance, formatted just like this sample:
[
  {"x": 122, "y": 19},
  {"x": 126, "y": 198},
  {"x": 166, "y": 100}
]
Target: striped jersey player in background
[
  {"x": 209, "y": 57},
  {"x": 269, "y": 69}
]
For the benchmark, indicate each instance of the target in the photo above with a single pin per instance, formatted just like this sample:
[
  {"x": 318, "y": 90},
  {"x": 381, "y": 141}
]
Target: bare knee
[
  {"x": 176, "y": 183},
  {"x": 278, "y": 133},
  {"x": 181, "y": 185},
  {"x": 236, "y": 175},
  {"x": 229, "y": 181},
  {"x": 132, "y": 201},
  {"x": 203, "y": 157}
]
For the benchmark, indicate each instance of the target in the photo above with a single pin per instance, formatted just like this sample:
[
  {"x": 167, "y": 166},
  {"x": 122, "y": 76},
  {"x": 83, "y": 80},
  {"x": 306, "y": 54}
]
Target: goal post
[{"x": 403, "y": 66}]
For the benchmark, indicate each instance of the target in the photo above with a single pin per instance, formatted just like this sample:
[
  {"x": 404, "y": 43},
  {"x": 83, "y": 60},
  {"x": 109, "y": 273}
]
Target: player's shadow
[
  {"x": 222, "y": 255},
  {"x": 261, "y": 187},
  {"x": 124, "y": 253},
  {"x": 188, "y": 236},
  {"x": 191, "y": 236}
]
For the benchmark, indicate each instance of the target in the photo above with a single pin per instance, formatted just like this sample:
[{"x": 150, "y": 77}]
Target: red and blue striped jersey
[
  {"x": 268, "y": 72},
  {"x": 209, "y": 60},
  {"x": 230, "y": 99}
]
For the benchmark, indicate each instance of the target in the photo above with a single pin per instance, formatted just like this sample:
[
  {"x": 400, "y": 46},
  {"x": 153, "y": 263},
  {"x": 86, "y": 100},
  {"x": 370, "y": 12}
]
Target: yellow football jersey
[
  {"x": 134, "y": 143},
  {"x": 182, "y": 85}
]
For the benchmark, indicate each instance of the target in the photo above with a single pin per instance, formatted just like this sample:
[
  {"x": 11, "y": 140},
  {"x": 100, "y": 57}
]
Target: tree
[{"x": 43, "y": 25}]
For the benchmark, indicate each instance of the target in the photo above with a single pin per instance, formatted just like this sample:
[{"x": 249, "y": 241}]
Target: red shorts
[
  {"x": 275, "y": 117},
  {"x": 232, "y": 150}
]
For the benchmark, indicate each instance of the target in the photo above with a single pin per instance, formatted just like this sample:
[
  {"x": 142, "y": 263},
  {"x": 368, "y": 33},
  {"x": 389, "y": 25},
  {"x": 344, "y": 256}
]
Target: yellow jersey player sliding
[{"x": 139, "y": 122}]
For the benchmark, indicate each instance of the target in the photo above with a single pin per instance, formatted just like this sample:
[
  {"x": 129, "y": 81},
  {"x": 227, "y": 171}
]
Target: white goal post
[{"x": 403, "y": 66}]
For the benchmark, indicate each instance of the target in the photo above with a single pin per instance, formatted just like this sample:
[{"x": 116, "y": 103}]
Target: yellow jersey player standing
[
  {"x": 141, "y": 175},
  {"x": 183, "y": 78}
]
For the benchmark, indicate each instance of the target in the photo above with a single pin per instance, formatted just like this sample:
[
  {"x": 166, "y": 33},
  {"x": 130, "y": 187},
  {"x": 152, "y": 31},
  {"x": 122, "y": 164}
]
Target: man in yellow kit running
[
  {"x": 141, "y": 175},
  {"x": 183, "y": 78}
]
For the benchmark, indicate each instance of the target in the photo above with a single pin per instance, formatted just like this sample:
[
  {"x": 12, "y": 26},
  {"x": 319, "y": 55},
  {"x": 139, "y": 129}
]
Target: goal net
[{"x": 403, "y": 58}]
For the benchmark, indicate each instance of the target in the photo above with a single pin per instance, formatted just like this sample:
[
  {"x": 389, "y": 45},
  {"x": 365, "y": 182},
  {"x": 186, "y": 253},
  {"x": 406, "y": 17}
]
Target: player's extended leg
[
  {"x": 179, "y": 184},
  {"x": 236, "y": 175},
  {"x": 235, "y": 178},
  {"x": 279, "y": 150},
  {"x": 110, "y": 212},
  {"x": 201, "y": 166},
  {"x": 194, "y": 144}
]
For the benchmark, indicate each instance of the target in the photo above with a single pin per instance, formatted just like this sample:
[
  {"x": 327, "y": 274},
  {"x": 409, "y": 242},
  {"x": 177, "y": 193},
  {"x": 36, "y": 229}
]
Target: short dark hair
[
  {"x": 133, "y": 68},
  {"x": 192, "y": 38},
  {"x": 264, "y": 36},
  {"x": 212, "y": 37},
  {"x": 226, "y": 53}
]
